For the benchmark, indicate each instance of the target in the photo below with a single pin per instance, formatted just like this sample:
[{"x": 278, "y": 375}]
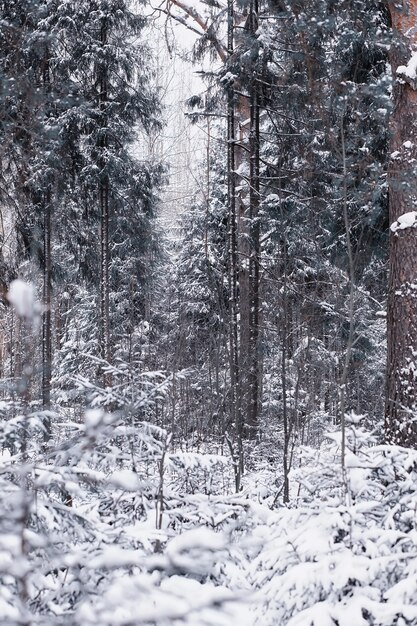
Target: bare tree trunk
[
  {"x": 351, "y": 309},
  {"x": 243, "y": 256},
  {"x": 401, "y": 385},
  {"x": 284, "y": 362},
  {"x": 46, "y": 317},
  {"x": 46, "y": 204},
  {"x": 104, "y": 216},
  {"x": 243, "y": 174},
  {"x": 248, "y": 243},
  {"x": 104, "y": 278},
  {"x": 233, "y": 262},
  {"x": 254, "y": 202}
]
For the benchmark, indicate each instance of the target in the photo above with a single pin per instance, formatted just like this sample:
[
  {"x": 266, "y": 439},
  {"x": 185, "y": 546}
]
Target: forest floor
[{"x": 151, "y": 535}]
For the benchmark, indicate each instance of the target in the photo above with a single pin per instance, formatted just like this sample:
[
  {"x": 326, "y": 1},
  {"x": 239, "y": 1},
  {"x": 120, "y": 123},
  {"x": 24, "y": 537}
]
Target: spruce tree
[{"x": 114, "y": 83}]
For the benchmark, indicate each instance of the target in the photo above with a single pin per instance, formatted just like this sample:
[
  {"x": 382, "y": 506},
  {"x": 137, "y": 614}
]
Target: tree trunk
[
  {"x": 46, "y": 204},
  {"x": 284, "y": 362},
  {"x": 247, "y": 161},
  {"x": 401, "y": 385},
  {"x": 254, "y": 203},
  {"x": 233, "y": 260},
  {"x": 243, "y": 204},
  {"x": 46, "y": 317},
  {"x": 104, "y": 190},
  {"x": 104, "y": 266}
]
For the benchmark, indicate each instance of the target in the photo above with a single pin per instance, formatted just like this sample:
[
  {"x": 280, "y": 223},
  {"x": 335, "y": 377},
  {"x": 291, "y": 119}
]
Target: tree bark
[
  {"x": 248, "y": 243},
  {"x": 46, "y": 317},
  {"x": 235, "y": 409},
  {"x": 46, "y": 203},
  {"x": 104, "y": 190},
  {"x": 105, "y": 274},
  {"x": 254, "y": 203},
  {"x": 401, "y": 384}
]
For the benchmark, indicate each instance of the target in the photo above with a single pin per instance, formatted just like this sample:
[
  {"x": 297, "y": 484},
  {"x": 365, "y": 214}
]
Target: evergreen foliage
[{"x": 191, "y": 429}]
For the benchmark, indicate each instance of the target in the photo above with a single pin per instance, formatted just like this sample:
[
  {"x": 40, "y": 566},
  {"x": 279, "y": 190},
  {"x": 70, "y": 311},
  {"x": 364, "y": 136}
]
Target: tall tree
[
  {"x": 292, "y": 96},
  {"x": 116, "y": 103},
  {"x": 30, "y": 105},
  {"x": 254, "y": 369},
  {"x": 401, "y": 388},
  {"x": 241, "y": 78},
  {"x": 76, "y": 92}
]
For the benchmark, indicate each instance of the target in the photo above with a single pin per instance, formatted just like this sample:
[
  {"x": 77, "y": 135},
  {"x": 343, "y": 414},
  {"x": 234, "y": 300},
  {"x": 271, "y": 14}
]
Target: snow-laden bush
[
  {"x": 102, "y": 522},
  {"x": 90, "y": 531},
  {"x": 346, "y": 553}
]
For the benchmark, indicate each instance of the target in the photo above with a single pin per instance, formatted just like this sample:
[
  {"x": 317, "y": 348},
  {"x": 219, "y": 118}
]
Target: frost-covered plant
[
  {"x": 88, "y": 519},
  {"x": 107, "y": 523},
  {"x": 347, "y": 552},
  {"x": 80, "y": 528}
]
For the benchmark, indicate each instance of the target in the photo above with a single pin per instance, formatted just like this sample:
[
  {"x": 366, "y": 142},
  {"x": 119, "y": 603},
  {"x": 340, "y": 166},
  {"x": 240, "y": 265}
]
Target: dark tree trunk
[
  {"x": 105, "y": 271},
  {"x": 46, "y": 319},
  {"x": 401, "y": 386},
  {"x": 104, "y": 190},
  {"x": 46, "y": 204},
  {"x": 243, "y": 205},
  {"x": 233, "y": 261},
  {"x": 248, "y": 108},
  {"x": 243, "y": 212},
  {"x": 254, "y": 195}
]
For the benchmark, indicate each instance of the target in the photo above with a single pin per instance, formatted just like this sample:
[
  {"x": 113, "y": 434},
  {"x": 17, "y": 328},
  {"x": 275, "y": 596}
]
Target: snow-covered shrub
[{"x": 347, "y": 552}]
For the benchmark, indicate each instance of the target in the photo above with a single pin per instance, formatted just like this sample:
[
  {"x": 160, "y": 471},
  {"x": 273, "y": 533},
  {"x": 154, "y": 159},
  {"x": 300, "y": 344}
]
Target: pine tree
[{"x": 401, "y": 387}]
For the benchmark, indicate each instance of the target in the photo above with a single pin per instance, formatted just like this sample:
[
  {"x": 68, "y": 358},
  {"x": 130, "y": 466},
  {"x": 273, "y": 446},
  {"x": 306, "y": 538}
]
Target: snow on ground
[{"x": 135, "y": 550}]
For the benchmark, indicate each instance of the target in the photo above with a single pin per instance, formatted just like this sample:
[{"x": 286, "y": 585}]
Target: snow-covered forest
[{"x": 208, "y": 312}]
